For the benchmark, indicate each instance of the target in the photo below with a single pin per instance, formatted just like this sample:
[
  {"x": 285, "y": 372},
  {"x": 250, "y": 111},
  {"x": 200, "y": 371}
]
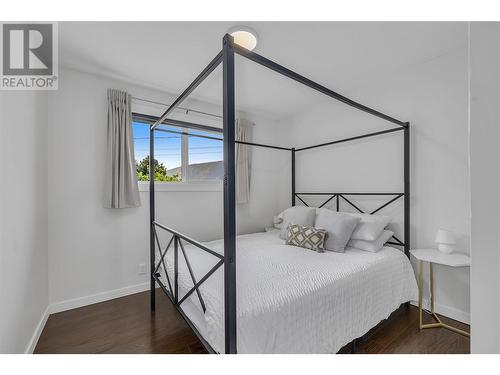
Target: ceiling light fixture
[{"x": 244, "y": 37}]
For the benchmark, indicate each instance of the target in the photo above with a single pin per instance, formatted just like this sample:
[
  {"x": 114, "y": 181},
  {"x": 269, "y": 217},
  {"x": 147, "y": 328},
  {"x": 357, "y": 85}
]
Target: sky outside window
[{"x": 168, "y": 146}]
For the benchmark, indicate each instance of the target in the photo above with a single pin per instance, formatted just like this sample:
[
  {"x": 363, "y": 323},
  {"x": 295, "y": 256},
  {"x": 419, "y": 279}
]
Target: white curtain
[
  {"x": 121, "y": 189},
  {"x": 243, "y": 160}
]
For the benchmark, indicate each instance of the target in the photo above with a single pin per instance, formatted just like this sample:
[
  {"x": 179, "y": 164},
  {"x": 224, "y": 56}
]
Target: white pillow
[
  {"x": 277, "y": 221},
  {"x": 300, "y": 215},
  {"x": 339, "y": 227},
  {"x": 372, "y": 246},
  {"x": 370, "y": 226}
]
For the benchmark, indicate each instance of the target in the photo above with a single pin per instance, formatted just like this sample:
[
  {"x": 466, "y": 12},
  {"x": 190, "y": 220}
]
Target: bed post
[
  {"x": 293, "y": 176},
  {"x": 151, "y": 219},
  {"x": 407, "y": 189},
  {"x": 229, "y": 196}
]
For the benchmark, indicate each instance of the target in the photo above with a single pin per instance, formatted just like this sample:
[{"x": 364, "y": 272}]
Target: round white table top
[{"x": 436, "y": 256}]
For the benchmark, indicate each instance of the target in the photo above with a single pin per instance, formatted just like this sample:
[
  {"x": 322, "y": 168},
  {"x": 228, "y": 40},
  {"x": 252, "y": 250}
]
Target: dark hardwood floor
[
  {"x": 125, "y": 325},
  {"x": 399, "y": 335},
  {"x": 122, "y": 325}
]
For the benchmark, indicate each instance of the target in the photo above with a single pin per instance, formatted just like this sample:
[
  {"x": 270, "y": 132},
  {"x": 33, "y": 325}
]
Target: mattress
[{"x": 294, "y": 300}]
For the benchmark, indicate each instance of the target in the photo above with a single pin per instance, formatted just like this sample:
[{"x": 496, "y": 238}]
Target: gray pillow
[
  {"x": 306, "y": 237},
  {"x": 339, "y": 227},
  {"x": 299, "y": 215}
]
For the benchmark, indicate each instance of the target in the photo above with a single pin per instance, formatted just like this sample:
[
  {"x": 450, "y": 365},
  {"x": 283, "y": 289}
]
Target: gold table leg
[
  {"x": 420, "y": 292},
  {"x": 439, "y": 323},
  {"x": 431, "y": 277}
]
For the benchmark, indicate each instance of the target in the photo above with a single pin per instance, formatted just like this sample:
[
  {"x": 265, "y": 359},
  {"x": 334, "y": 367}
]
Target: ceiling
[{"x": 339, "y": 55}]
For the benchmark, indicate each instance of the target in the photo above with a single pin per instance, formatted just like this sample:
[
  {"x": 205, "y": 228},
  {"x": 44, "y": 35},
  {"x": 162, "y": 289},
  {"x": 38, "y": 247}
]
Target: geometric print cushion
[{"x": 306, "y": 237}]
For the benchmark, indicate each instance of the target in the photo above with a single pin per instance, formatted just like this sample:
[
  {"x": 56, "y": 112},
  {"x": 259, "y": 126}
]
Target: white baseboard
[
  {"x": 38, "y": 331},
  {"x": 96, "y": 298},
  {"x": 449, "y": 312},
  {"x": 80, "y": 302}
]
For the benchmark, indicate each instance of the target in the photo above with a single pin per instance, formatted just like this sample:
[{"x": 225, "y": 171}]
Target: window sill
[{"x": 182, "y": 186}]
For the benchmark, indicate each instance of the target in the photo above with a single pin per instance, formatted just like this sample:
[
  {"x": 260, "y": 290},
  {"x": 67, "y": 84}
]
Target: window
[{"x": 181, "y": 154}]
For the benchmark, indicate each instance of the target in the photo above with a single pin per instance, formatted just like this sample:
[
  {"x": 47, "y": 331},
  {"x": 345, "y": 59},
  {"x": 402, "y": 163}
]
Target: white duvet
[{"x": 294, "y": 300}]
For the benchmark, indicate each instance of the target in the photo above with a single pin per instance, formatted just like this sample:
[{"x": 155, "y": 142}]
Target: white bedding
[{"x": 294, "y": 300}]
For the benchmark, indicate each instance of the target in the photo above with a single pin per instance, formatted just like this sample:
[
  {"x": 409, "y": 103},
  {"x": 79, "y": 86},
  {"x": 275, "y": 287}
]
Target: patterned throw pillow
[{"x": 306, "y": 237}]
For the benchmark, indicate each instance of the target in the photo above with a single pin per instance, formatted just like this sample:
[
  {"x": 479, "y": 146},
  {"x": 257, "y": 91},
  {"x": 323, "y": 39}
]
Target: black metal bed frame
[{"x": 228, "y": 259}]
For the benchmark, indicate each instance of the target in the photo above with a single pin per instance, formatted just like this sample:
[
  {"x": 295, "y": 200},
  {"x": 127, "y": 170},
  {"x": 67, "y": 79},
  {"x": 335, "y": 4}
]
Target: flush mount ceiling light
[{"x": 244, "y": 37}]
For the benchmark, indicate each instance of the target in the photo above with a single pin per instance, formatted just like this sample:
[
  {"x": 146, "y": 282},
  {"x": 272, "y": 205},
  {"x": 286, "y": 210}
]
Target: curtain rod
[{"x": 182, "y": 108}]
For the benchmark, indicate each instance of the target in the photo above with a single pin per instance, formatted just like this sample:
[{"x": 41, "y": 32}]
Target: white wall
[
  {"x": 23, "y": 219},
  {"x": 433, "y": 96},
  {"x": 94, "y": 250},
  {"x": 485, "y": 174}
]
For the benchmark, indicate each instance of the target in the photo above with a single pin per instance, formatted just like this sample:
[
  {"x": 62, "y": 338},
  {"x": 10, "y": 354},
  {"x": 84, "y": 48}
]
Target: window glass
[
  {"x": 205, "y": 157},
  {"x": 202, "y": 151}
]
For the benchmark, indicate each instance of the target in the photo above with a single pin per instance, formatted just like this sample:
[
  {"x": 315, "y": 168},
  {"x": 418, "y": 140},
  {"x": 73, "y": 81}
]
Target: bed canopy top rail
[
  {"x": 199, "y": 79},
  {"x": 226, "y": 56},
  {"x": 151, "y": 120},
  {"x": 190, "y": 125},
  {"x": 351, "y": 138},
  {"x": 316, "y": 86}
]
